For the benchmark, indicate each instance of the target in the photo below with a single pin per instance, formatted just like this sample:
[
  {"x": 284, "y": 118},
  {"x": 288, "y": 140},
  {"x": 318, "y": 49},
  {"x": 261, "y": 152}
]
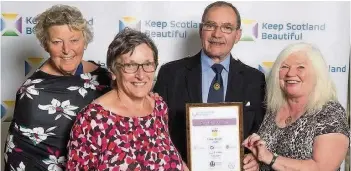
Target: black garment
[
  {"x": 179, "y": 82},
  {"x": 46, "y": 107}
]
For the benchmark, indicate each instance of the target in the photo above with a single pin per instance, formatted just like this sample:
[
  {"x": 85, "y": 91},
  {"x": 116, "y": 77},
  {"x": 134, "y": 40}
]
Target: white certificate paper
[{"x": 214, "y": 135}]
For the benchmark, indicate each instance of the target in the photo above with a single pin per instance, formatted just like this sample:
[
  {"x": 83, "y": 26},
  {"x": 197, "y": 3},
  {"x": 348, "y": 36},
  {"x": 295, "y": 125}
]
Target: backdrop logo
[
  {"x": 32, "y": 63},
  {"x": 265, "y": 67},
  {"x": 130, "y": 22},
  {"x": 6, "y": 107},
  {"x": 249, "y": 30},
  {"x": 11, "y": 24},
  {"x": 337, "y": 68}
]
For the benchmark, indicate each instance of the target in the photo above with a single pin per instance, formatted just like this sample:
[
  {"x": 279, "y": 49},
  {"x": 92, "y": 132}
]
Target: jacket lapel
[
  {"x": 193, "y": 79},
  {"x": 235, "y": 87}
]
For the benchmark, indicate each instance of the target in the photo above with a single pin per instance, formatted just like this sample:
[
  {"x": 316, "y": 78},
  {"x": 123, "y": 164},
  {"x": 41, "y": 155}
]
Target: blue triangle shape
[
  {"x": 2, "y": 24},
  {"x": 261, "y": 68},
  {"x": 3, "y": 111},
  {"x": 121, "y": 25},
  {"x": 27, "y": 68}
]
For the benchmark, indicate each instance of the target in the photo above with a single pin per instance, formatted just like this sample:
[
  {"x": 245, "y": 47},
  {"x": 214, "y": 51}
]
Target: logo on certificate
[
  {"x": 231, "y": 165},
  {"x": 212, "y": 164},
  {"x": 215, "y": 132}
]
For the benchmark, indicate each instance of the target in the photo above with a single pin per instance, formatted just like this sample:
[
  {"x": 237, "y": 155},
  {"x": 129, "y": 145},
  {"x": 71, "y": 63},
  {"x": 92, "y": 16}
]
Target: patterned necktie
[{"x": 216, "y": 93}]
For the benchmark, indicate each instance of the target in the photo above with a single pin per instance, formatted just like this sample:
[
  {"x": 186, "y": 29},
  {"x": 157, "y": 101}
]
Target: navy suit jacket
[{"x": 179, "y": 82}]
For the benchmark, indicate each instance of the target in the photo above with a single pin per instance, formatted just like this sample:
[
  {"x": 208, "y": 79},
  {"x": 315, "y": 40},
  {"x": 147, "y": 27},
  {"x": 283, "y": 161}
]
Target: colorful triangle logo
[
  {"x": 10, "y": 33},
  {"x": 27, "y": 68},
  {"x": 35, "y": 60},
  {"x": 10, "y": 16},
  {"x": 30, "y": 63},
  {"x": 9, "y": 103},
  {"x": 3, "y": 111}
]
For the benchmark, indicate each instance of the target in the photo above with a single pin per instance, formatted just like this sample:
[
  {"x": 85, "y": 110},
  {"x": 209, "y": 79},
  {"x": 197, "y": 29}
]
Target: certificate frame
[{"x": 213, "y": 119}]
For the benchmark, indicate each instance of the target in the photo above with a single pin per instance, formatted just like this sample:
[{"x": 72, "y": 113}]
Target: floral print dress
[
  {"x": 45, "y": 109},
  {"x": 103, "y": 140}
]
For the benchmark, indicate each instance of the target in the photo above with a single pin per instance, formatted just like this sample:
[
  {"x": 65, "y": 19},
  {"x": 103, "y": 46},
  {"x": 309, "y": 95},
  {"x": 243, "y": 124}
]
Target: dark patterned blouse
[
  {"x": 296, "y": 140},
  {"x": 102, "y": 140},
  {"x": 45, "y": 110}
]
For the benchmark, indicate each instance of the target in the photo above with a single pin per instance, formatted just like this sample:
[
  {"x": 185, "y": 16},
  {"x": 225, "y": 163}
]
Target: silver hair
[
  {"x": 61, "y": 15},
  {"x": 323, "y": 91}
]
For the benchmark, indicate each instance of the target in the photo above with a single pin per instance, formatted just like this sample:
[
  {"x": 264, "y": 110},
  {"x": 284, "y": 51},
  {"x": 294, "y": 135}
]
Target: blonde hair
[
  {"x": 323, "y": 91},
  {"x": 61, "y": 15}
]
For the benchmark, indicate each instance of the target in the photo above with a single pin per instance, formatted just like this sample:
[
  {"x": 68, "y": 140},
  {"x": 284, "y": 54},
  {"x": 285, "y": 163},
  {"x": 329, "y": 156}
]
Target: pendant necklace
[{"x": 288, "y": 120}]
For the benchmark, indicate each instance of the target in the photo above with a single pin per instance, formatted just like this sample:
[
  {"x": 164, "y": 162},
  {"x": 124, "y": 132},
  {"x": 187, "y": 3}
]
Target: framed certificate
[{"x": 214, "y": 136}]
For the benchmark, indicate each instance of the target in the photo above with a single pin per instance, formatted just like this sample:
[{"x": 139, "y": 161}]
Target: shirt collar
[{"x": 207, "y": 62}]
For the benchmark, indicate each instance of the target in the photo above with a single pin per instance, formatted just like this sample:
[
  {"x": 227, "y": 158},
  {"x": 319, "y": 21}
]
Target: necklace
[{"x": 288, "y": 120}]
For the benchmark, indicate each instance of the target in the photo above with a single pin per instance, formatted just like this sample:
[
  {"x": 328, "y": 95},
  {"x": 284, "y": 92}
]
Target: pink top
[{"x": 102, "y": 140}]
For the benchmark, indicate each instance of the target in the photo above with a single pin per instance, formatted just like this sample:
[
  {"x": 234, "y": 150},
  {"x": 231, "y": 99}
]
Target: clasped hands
[{"x": 258, "y": 148}]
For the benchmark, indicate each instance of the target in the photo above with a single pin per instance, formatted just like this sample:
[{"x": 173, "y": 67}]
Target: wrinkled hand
[
  {"x": 155, "y": 96},
  {"x": 258, "y": 148},
  {"x": 250, "y": 163}
]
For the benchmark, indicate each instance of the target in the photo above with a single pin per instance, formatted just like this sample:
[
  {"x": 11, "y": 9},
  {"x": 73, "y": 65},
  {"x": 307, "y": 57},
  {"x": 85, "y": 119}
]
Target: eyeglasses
[
  {"x": 131, "y": 68},
  {"x": 211, "y": 26}
]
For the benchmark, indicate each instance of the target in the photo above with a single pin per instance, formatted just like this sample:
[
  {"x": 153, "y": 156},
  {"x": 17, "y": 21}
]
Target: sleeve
[
  {"x": 332, "y": 119},
  {"x": 83, "y": 147},
  {"x": 261, "y": 111}
]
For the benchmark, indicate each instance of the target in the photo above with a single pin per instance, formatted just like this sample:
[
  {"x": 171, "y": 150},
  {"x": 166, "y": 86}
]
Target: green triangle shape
[
  {"x": 246, "y": 38},
  {"x": 10, "y": 33}
]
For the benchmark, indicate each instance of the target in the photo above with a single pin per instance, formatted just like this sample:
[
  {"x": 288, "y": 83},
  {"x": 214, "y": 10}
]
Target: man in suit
[{"x": 196, "y": 80}]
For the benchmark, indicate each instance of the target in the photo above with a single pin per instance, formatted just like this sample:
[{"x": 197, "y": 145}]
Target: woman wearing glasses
[{"x": 125, "y": 129}]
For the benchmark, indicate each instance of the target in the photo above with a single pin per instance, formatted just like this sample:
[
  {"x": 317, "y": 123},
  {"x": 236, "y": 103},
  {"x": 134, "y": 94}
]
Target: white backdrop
[{"x": 325, "y": 24}]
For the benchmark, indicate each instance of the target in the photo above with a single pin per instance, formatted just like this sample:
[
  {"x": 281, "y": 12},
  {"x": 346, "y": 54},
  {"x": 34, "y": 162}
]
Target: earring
[{"x": 113, "y": 76}]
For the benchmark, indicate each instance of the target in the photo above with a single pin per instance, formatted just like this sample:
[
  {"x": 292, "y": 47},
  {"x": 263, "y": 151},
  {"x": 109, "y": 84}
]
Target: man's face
[{"x": 219, "y": 32}]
